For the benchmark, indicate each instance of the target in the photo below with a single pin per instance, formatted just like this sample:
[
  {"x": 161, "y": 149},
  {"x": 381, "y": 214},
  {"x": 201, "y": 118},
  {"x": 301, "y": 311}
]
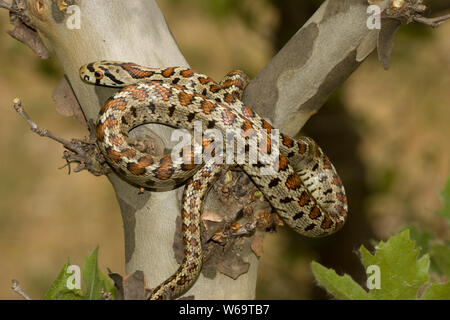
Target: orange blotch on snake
[
  {"x": 287, "y": 141},
  {"x": 138, "y": 168},
  {"x": 188, "y": 73},
  {"x": 214, "y": 88},
  {"x": 305, "y": 197},
  {"x": 135, "y": 72},
  {"x": 207, "y": 106},
  {"x": 228, "y": 116},
  {"x": 326, "y": 163},
  {"x": 337, "y": 181},
  {"x": 229, "y": 98},
  {"x": 326, "y": 223},
  {"x": 116, "y": 140},
  {"x": 205, "y": 80},
  {"x": 315, "y": 213},
  {"x": 293, "y": 182},
  {"x": 137, "y": 94},
  {"x": 117, "y": 156},
  {"x": 168, "y": 72},
  {"x": 247, "y": 111},
  {"x": 185, "y": 98},
  {"x": 165, "y": 170},
  {"x": 282, "y": 162},
  {"x": 115, "y": 104},
  {"x": 163, "y": 92}
]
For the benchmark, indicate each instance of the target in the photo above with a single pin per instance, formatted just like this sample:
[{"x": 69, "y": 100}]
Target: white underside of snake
[{"x": 305, "y": 191}]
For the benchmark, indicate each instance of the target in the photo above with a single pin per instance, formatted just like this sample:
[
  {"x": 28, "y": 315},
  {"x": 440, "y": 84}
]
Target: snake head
[{"x": 101, "y": 73}]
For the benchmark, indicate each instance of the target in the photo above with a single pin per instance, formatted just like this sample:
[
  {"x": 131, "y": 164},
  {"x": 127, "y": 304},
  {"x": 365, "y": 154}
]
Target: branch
[
  {"x": 432, "y": 22},
  {"x": 16, "y": 287}
]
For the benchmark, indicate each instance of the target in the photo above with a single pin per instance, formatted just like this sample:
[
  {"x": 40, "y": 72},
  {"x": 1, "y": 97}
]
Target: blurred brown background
[{"x": 387, "y": 133}]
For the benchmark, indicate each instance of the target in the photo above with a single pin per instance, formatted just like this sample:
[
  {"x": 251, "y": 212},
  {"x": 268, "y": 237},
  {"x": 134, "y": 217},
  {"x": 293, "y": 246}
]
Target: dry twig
[{"x": 16, "y": 287}]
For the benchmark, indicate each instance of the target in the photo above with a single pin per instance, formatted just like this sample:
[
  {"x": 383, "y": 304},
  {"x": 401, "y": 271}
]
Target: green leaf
[
  {"x": 402, "y": 274},
  {"x": 342, "y": 287},
  {"x": 421, "y": 238},
  {"x": 437, "y": 291},
  {"x": 94, "y": 280},
  {"x": 59, "y": 290},
  {"x": 440, "y": 256},
  {"x": 445, "y": 194}
]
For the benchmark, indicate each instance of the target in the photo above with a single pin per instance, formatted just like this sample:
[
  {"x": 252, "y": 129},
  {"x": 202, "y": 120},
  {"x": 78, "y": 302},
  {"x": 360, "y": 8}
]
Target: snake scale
[{"x": 305, "y": 191}]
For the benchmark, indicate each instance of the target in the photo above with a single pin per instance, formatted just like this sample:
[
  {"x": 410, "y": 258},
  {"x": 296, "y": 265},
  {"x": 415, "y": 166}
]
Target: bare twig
[
  {"x": 432, "y": 22},
  {"x": 16, "y": 287},
  {"x": 42, "y": 132},
  {"x": 84, "y": 153}
]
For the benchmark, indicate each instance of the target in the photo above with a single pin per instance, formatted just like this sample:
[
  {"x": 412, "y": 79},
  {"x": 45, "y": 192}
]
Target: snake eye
[{"x": 98, "y": 75}]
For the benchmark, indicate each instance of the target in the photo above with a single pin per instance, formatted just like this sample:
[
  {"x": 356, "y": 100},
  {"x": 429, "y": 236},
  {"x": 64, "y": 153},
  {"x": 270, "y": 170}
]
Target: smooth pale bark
[{"x": 288, "y": 91}]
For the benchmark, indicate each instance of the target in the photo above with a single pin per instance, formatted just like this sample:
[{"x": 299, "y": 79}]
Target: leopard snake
[{"x": 305, "y": 191}]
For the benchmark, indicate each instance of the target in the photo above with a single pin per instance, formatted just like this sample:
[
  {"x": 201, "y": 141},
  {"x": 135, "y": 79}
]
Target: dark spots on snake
[
  {"x": 151, "y": 106},
  {"x": 218, "y": 99},
  {"x": 291, "y": 154},
  {"x": 211, "y": 124},
  {"x": 171, "y": 110},
  {"x": 133, "y": 111},
  {"x": 111, "y": 76},
  {"x": 182, "y": 280},
  {"x": 259, "y": 165},
  {"x": 274, "y": 182},
  {"x": 176, "y": 80},
  {"x": 90, "y": 67},
  {"x": 328, "y": 191},
  {"x": 150, "y": 183},
  {"x": 298, "y": 215},
  {"x": 124, "y": 120},
  {"x": 310, "y": 227},
  {"x": 191, "y": 116},
  {"x": 204, "y": 92},
  {"x": 316, "y": 166},
  {"x": 286, "y": 200}
]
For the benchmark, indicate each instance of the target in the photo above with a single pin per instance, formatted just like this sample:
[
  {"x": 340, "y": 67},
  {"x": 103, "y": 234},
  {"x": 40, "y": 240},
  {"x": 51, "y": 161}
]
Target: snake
[{"x": 304, "y": 189}]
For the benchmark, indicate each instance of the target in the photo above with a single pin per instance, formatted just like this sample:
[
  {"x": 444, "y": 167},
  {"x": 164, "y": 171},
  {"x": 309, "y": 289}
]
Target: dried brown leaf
[
  {"x": 257, "y": 246},
  {"x": 66, "y": 102},
  {"x": 386, "y": 37}
]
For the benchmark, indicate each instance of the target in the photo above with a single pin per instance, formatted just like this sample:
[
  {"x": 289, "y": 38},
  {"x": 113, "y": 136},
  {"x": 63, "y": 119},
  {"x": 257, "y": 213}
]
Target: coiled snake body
[{"x": 305, "y": 190}]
